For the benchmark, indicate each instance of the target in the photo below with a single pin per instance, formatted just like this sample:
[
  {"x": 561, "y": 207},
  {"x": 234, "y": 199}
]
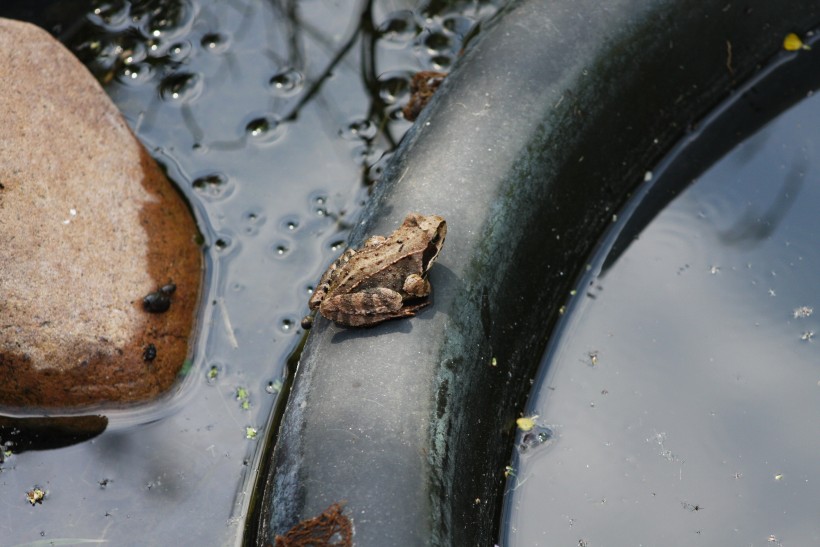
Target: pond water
[
  {"x": 677, "y": 403},
  {"x": 274, "y": 119}
]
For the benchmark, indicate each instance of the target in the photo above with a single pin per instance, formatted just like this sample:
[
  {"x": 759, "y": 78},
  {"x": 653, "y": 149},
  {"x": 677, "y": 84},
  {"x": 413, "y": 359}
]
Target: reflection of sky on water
[{"x": 698, "y": 424}]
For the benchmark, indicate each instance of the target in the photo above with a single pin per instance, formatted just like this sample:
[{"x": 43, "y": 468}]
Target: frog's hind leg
[
  {"x": 367, "y": 307},
  {"x": 360, "y": 307},
  {"x": 369, "y": 320}
]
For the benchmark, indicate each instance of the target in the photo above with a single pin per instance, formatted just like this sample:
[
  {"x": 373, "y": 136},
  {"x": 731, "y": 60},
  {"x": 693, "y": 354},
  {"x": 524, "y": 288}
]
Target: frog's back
[{"x": 378, "y": 266}]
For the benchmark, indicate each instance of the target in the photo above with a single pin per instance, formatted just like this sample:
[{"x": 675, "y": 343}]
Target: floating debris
[
  {"x": 802, "y": 312},
  {"x": 213, "y": 373},
  {"x": 36, "y": 495},
  {"x": 526, "y": 423},
  {"x": 807, "y": 336},
  {"x": 422, "y": 88},
  {"x": 251, "y": 432},
  {"x": 792, "y": 42},
  {"x": 691, "y": 506},
  {"x": 330, "y": 529}
]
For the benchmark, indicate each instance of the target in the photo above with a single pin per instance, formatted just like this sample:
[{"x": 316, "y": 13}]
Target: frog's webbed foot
[
  {"x": 416, "y": 286},
  {"x": 307, "y": 321}
]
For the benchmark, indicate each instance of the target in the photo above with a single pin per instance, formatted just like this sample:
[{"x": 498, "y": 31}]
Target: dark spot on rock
[
  {"x": 149, "y": 353},
  {"x": 157, "y": 301}
]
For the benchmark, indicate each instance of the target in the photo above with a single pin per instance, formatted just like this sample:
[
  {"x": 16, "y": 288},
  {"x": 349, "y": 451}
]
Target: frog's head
[{"x": 433, "y": 230}]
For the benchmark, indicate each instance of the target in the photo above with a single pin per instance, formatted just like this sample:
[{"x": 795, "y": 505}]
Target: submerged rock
[{"x": 89, "y": 226}]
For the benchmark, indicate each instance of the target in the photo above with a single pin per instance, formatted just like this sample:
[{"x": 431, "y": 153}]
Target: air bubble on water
[
  {"x": 133, "y": 52},
  {"x": 393, "y": 88},
  {"x": 399, "y": 27},
  {"x": 318, "y": 202},
  {"x": 538, "y": 437},
  {"x": 215, "y": 42},
  {"x": 111, "y": 16},
  {"x": 177, "y": 52},
  {"x": 441, "y": 62},
  {"x": 287, "y": 82},
  {"x": 458, "y": 24},
  {"x": 263, "y": 128},
  {"x": 136, "y": 74},
  {"x": 181, "y": 87},
  {"x": 280, "y": 249},
  {"x": 213, "y": 185},
  {"x": 437, "y": 42},
  {"x": 290, "y": 224},
  {"x": 360, "y": 129},
  {"x": 170, "y": 23},
  {"x": 253, "y": 219}
]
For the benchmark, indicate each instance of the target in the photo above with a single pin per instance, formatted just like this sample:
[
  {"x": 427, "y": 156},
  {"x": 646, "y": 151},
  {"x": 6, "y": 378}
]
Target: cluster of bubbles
[
  {"x": 136, "y": 42},
  {"x": 163, "y": 50}
]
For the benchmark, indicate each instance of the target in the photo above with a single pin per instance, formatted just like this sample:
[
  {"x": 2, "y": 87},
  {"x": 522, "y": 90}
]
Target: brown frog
[{"x": 385, "y": 279}]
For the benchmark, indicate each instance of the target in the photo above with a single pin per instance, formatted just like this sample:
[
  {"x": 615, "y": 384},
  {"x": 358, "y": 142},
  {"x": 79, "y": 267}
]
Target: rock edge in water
[{"x": 89, "y": 225}]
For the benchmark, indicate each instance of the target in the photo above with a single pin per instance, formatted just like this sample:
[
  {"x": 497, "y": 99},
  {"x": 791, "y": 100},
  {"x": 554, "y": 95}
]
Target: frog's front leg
[
  {"x": 416, "y": 286},
  {"x": 324, "y": 283}
]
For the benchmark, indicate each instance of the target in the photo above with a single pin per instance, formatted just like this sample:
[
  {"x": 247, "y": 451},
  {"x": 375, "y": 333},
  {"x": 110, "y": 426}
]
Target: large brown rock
[{"x": 89, "y": 225}]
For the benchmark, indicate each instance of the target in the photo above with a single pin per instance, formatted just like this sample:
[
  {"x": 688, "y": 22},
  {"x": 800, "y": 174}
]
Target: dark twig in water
[{"x": 317, "y": 85}]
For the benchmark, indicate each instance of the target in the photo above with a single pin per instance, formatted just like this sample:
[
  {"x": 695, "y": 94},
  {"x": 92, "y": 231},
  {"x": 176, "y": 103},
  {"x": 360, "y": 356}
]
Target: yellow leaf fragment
[
  {"x": 526, "y": 423},
  {"x": 792, "y": 42}
]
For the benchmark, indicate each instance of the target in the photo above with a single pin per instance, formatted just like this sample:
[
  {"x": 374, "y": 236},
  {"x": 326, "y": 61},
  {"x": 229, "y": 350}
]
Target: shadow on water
[
  {"x": 756, "y": 226},
  {"x": 774, "y": 89}
]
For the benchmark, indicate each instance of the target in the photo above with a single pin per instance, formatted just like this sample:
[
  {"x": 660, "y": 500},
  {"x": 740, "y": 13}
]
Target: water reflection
[
  {"x": 695, "y": 422},
  {"x": 273, "y": 118}
]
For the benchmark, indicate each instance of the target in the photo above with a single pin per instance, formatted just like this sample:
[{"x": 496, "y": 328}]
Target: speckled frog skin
[{"x": 385, "y": 279}]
